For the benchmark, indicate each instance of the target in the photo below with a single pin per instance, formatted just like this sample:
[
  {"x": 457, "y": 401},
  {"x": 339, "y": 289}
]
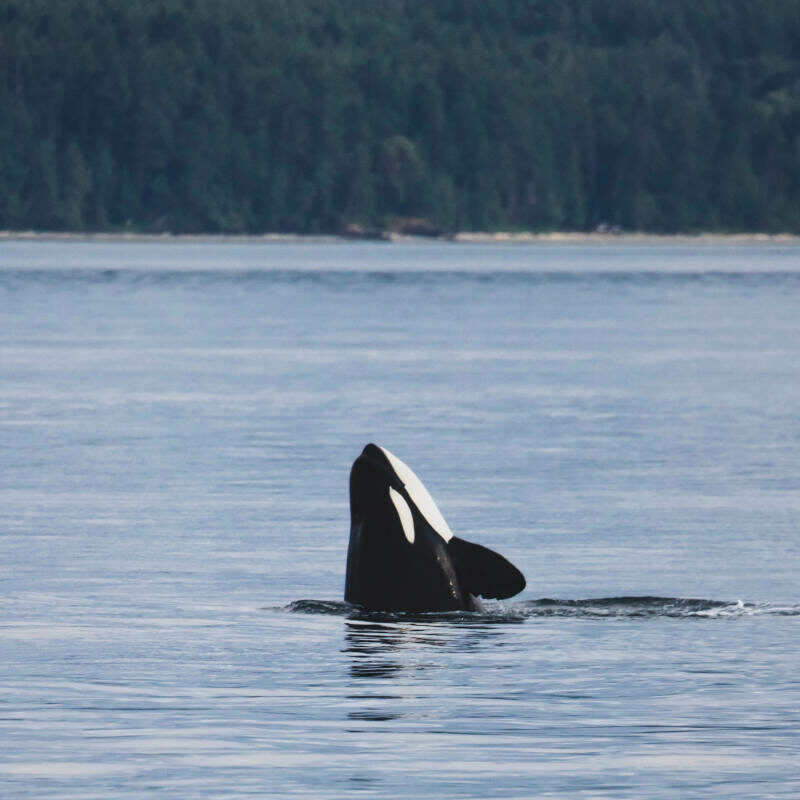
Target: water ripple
[{"x": 595, "y": 608}]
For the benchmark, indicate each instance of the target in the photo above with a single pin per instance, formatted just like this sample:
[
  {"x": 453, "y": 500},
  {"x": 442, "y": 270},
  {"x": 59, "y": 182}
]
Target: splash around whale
[{"x": 402, "y": 555}]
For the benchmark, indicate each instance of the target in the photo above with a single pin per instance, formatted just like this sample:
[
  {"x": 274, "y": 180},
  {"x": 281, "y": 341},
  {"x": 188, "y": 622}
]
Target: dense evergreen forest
[{"x": 309, "y": 115}]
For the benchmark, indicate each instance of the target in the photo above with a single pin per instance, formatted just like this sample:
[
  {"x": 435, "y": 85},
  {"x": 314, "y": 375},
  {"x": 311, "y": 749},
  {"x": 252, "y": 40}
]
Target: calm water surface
[{"x": 177, "y": 423}]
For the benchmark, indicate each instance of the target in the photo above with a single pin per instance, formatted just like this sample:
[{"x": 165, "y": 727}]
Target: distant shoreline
[{"x": 466, "y": 237}]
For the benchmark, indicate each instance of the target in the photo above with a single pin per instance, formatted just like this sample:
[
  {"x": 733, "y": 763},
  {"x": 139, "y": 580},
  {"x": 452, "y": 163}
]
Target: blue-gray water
[{"x": 177, "y": 423}]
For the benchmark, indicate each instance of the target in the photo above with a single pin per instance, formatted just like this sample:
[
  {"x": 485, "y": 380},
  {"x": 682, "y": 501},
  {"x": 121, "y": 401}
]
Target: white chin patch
[
  {"x": 422, "y": 500},
  {"x": 404, "y": 512}
]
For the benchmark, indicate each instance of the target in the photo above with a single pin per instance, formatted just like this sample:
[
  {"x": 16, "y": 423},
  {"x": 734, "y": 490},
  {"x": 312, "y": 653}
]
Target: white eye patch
[
  {"x": 419, "y": 494},
  {"x": 404, "y": 512}
]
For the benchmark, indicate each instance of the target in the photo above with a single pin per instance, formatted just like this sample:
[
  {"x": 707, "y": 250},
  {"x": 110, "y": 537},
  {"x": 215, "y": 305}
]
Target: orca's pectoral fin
[{"x": 484, "y": 572}]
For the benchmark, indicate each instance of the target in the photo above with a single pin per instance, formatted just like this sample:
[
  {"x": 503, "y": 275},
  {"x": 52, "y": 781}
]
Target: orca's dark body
[{"x": 402, "y": 555}]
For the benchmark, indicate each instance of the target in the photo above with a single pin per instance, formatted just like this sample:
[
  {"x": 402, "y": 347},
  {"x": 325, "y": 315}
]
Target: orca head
[
  {"x": 378, "y": 476},
  {"x": 397, "y": 558}
]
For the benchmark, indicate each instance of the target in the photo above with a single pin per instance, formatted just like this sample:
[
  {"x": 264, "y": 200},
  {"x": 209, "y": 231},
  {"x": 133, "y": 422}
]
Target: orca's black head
[
  {"x": 397, "y": 558},
  {"x": 402, "y": 554},
  {"x": 384, "y": 489}
]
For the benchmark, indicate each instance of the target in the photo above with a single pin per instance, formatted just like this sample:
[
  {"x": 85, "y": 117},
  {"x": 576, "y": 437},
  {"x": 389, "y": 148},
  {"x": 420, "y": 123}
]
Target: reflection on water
[
  {"x": 371, "y": 648},
  {"x": 382, "y": 650},
  {"x": 410, "y": 654},
  {"x": 415, "y": 656}
]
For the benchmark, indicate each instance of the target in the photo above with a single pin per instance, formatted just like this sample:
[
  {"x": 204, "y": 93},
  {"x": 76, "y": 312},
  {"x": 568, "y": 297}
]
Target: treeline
[{"x": 309, "y": 115}]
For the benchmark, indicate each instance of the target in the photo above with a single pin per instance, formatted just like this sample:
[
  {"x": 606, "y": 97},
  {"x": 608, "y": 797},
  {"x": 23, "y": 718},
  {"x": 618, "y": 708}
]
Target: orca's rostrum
[{"x": 402, "y": 554}]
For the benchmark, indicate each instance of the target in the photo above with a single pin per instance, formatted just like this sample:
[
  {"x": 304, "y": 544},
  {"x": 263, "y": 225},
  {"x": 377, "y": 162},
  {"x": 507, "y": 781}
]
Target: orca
[{"x": 402, "y": 555}]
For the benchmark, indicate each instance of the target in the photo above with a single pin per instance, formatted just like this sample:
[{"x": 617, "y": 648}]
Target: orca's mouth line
[{"x": 604, "y": 608}]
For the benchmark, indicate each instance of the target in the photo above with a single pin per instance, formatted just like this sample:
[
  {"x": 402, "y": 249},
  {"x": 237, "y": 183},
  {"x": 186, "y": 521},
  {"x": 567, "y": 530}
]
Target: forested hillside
[{"x": 308, "y": 115}]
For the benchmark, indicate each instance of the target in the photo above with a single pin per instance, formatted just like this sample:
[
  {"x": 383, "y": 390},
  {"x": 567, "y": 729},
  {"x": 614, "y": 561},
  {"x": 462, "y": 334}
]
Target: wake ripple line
[{"x": 597, "y": 608}]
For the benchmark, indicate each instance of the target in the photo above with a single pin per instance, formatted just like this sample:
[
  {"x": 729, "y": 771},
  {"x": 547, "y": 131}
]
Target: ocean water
[{"x": 177, "y": 424}]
